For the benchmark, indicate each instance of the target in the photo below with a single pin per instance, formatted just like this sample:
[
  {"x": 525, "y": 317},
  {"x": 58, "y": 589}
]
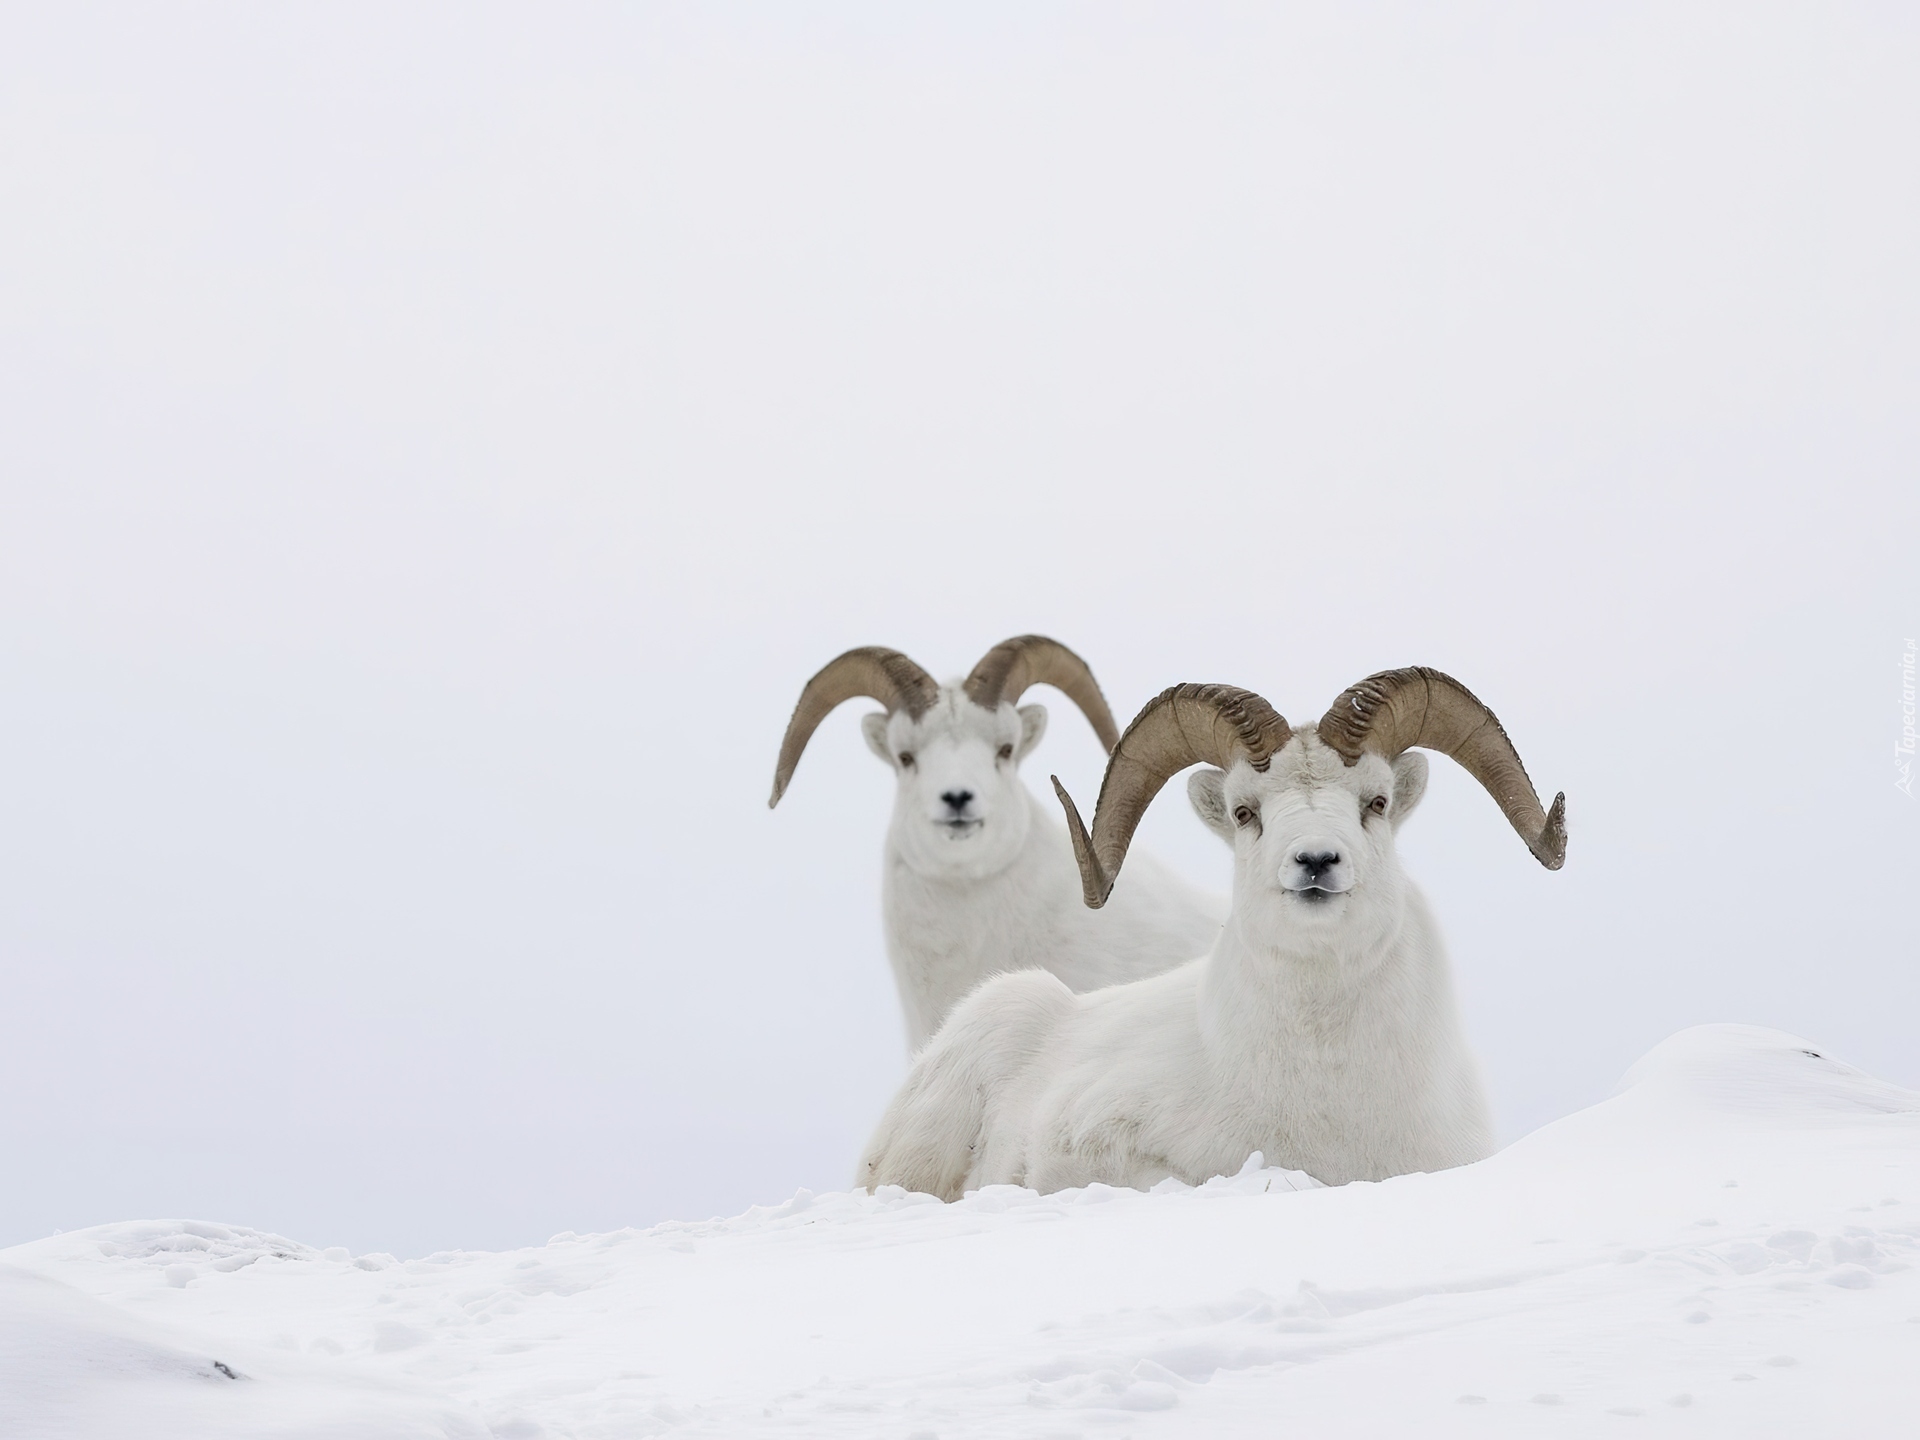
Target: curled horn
[
  {"x": 872, "y": 670},
  {"x": 1395, "y": 710},
  {"x": 1005, "y": 672},
  {"x": 1181, "y": 726}
]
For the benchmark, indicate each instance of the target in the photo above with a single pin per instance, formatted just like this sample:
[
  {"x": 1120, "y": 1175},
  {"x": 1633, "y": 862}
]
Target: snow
[{"x": 1725, "y": 1247}]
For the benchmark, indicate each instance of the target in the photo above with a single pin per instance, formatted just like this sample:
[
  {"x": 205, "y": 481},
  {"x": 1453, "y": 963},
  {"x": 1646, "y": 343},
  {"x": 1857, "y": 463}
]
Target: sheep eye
[
  {"x": 906, "y": 759},
  {"x": 1378, "y": 805},
  {"x": 1006, "y": 752},
  {"x": 1242, "y": 815}
]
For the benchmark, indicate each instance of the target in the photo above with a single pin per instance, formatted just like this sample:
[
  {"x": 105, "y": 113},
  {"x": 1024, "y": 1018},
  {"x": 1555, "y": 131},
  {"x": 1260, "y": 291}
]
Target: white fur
[
  {"x": 1321, "y": 1030},
  {"x": 992, "y": 886}
]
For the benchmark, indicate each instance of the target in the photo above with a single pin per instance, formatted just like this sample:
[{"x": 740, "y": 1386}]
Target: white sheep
[
  {"x": 979, "y": 878},
  {"x": 1321, "y": 1030}
]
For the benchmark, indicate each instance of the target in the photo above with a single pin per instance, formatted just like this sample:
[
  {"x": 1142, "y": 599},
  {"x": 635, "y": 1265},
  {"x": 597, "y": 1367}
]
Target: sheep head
[
  {"x": 960, "y": 808},
  {"x": 1310, "y": 815}
]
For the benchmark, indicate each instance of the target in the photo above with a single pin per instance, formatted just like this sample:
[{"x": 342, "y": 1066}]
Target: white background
[{"x": 437, "y": 444}]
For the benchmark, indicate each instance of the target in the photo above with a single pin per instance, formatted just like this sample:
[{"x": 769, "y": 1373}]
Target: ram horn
[
  {"x": 872, "y": 670},
  {"x": 1005, "y": 672},
  {"x": 1389, "y": 713},
  {"x": 1184, "y": 725}
]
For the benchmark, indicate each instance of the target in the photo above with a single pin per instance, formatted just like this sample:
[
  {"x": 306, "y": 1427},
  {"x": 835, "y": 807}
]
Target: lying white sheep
[
  {"x": 1321, "y": 1030},
  {"x": 979, "y": 879}
]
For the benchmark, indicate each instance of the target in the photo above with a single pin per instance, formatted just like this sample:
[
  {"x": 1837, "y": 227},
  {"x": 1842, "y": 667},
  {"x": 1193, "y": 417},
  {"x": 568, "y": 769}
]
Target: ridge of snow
[{"x": 1724, "y": 1246}]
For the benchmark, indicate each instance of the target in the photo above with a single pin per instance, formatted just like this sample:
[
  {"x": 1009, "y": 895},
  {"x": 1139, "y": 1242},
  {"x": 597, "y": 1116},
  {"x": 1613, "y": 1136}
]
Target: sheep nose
[
  {"x": 1317, "y": 862},
  {"x": 958, "y": 800}
]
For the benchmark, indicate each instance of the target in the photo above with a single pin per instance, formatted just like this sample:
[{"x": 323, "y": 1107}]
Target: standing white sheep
[
  {"x": 1322, "y": 1028},
  {"x": 978, "y": 878}
]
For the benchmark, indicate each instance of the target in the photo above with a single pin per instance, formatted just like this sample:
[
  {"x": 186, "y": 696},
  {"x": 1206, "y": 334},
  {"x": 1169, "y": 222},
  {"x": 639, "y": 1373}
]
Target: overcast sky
[{"x": 436, "y": 444}]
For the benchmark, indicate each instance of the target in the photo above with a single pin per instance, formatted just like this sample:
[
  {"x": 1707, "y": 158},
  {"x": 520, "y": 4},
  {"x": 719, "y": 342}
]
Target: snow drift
[{"x": 1724, "y": 1247}]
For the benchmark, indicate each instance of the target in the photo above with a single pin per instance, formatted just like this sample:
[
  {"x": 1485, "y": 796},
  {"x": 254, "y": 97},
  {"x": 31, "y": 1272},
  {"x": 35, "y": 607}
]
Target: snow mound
[
  {"x": 1726, "y": 1246},
  {"x": 1766, "y": 1072}
]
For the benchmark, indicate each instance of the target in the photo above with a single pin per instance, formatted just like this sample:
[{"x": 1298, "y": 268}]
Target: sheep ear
[
  {"x": 874, "y": 727},
  {"x": 1207, "y": 789},
  {"x": 1409, "y": 784},
  {"x": 1033, "y": 725}
]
